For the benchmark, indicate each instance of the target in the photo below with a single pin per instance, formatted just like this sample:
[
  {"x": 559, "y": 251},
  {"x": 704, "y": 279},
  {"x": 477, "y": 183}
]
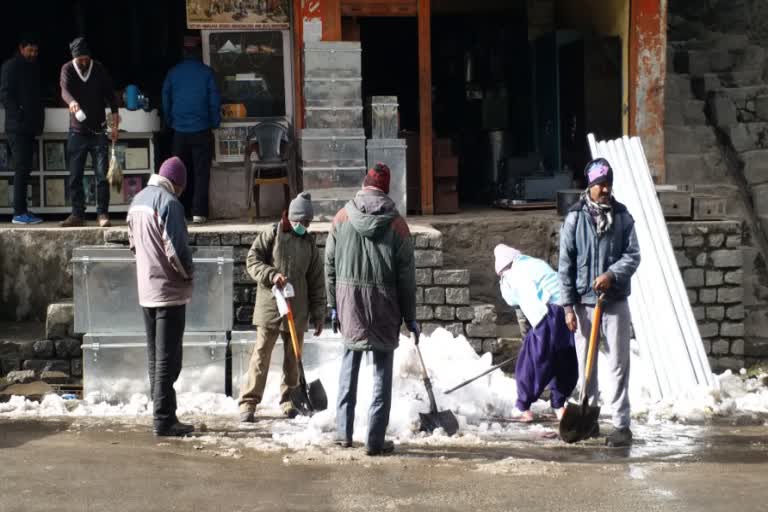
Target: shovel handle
[
  {"x": 593, "y": 336},
  {"x": 292, "y": 330}
]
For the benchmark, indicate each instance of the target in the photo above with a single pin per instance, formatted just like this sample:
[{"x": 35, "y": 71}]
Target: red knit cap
[{"x": 378, "y": 177}]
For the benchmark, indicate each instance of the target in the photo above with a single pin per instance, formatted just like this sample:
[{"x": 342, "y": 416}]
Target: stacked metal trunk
[
  {"x": 332, "y": 145},
  {"x": 385, "y": 147},
  {"x": 115, "y": 346}
]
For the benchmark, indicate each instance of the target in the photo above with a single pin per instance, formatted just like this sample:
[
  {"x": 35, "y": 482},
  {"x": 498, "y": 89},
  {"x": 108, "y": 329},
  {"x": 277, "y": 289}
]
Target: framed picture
[
  {"x": 136, "y": 159},
  {"x": 55, "y": 156},
  {"x": 6, "y": 193},
  {"x": 230, "y": 142},
  {"x": 4, "y": 163},
  {"x": 248, "y": 14},
  {"x": 132, "y": 185},
  {"x": 56, "y": 192}
]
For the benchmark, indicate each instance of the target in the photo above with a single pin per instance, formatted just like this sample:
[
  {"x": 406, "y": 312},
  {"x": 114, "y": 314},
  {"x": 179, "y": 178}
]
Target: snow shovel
[
  {"x": 306, "y": 398},
  {"x": 580, "y": 418},
  {"x": 434, "y": 418},
  {"x": 486, "y": 372}
]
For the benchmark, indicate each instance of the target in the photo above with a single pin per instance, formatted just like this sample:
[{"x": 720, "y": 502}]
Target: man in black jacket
[
  {"x": 87, "y": 88},
  {"x": 20, "y": 95}
]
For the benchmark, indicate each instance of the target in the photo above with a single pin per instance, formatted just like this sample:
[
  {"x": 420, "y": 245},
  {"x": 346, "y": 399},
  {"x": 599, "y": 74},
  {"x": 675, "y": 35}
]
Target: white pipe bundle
[{"x": 663, "y": 320}]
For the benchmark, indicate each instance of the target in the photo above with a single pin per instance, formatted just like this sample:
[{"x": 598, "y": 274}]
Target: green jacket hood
[{"x": 371, "y": 212}]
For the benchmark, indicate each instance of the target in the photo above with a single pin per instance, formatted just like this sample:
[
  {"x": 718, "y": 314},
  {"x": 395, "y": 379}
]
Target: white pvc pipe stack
[{"x": 665, "y": 327}]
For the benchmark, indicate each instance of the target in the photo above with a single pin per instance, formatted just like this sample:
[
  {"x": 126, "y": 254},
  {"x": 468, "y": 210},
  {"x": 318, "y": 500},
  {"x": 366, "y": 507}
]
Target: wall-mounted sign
[{"x": 238, "y": 14}]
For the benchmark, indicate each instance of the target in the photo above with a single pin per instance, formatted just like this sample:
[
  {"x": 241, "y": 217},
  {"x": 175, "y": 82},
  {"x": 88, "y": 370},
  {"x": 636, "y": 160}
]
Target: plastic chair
[{"x": 273, "y": 149}]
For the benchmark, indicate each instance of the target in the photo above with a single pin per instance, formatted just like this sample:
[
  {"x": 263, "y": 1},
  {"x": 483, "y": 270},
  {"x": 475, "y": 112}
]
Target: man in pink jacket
[{"x": 158, "y": 236}]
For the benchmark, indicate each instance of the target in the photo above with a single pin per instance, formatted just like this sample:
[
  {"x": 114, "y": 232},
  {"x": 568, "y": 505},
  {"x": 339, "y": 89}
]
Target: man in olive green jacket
[
  {"x": 287, "y": 253},
  {"x": 371, "y": 281}
]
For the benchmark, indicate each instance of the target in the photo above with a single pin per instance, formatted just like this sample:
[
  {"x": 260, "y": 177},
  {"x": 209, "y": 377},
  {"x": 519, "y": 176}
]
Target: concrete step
[
  {"x": 689, "y": 139},
  {"x": 749, "y": 136},
  {"x": 695, "y": 168},
  {"x": 755, "y": 166}
]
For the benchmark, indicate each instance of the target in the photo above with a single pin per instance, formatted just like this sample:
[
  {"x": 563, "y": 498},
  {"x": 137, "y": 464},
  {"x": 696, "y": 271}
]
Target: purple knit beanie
[{"x": 174, "y": 170}]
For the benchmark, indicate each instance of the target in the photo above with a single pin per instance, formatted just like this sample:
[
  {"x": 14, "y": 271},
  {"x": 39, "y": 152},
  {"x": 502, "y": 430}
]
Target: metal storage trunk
[
  {"x": 544, "y": 188},
  {"x": 115, "y": 365},
  {"x": 332, "y": 59},
  {"x": 392, "y": 153},
  {"x": 322, "y": 180},
  {"x": 332, "y": 147},
  {"x": 106, "y": 297},
  {"x": 329, "y": 92},
  {"x": 334, "y": 117},
  {"x": 385, "y": 123},
  {"x": 318, "y": 352}
]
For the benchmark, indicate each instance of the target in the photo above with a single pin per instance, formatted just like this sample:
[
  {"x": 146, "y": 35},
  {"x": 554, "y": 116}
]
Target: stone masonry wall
[{"x": 711, "y": 260}]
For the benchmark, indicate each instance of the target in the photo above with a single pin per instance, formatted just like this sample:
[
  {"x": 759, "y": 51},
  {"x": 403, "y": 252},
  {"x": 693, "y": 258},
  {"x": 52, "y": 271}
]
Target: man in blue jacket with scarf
[{"x": 599, "y": 253}]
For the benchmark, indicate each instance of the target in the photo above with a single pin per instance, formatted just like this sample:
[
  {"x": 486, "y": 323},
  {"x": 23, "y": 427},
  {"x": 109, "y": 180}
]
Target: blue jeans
[
  {"x": 78, "y": 147},
  {"x": 378, "y": 414}
]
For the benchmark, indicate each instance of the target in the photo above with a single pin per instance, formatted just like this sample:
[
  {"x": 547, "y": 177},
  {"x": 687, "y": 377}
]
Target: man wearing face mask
[
  {"x": 286, "y": 253},
  {"x": 86, "y": 87},
  {"x": 157, "y": 234},
  {"x": 599, "y": 253},
  {"x": 20, "y": 95}
]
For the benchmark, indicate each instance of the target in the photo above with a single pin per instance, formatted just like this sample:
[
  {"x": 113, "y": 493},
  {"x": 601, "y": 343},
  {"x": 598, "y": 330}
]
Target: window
[{"x": 253, "y": 72}]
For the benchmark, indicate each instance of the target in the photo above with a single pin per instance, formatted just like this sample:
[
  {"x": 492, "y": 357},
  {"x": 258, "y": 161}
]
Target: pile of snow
[{"x": 480, "y": 406}]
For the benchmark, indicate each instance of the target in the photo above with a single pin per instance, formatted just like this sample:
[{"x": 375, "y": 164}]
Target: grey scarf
[{"x": 602, "y": 214}]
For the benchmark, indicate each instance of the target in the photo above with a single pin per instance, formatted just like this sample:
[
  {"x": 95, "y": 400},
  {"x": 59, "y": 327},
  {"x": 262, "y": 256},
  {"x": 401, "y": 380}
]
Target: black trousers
[
  {"x": 165, "y": 331},
  {"x": 196, "y": 151},
  {"x": 78, "y": 147},
  {"x": 21, "y": 146}
]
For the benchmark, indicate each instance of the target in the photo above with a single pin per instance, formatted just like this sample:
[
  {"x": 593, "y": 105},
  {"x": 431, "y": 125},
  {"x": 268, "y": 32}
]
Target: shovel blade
[
  {"x": 441, "y": 419},
  {"x": 309, "y": 399},
  {"x": 578, "y": 421},
  {"x": 318, "y": 399}
]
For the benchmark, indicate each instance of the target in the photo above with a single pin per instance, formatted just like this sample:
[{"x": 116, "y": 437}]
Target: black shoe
[
  {"x": 177, "y": 429},
  {"x": 343, "y": 443},
  {"x": 619, "y": 437},
  {"x": 387, "y": 448}
]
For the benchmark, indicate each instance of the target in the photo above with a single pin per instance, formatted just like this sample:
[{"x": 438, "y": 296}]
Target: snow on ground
[{"x": 481, "y": 407}]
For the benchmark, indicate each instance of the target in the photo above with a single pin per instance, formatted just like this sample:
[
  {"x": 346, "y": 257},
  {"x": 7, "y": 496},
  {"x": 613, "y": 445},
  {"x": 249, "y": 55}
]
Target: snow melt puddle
[{"x": 478, "y": 406}]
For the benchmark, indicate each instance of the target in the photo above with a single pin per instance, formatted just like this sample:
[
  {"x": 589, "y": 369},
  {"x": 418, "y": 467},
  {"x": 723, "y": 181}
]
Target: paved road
[{"x": 74, "y": 465}]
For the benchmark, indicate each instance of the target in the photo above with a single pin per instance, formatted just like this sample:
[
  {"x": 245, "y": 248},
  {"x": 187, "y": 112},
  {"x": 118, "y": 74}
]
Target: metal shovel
[
  {"x": 580, "y": 418},
  {"x": 307, "y": 399},
  {"x": 434, "y": 418}
]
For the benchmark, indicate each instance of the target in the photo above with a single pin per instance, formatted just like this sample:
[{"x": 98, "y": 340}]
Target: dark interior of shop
[{"x": 511, "y": 114}]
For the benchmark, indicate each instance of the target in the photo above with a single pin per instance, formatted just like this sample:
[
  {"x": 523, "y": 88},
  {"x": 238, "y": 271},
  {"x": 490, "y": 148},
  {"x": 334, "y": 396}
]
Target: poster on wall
[{"x": 238, "y": 14}]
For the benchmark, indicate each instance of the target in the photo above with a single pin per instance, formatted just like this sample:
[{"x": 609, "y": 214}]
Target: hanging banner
[{"x": 238, "y": 14}]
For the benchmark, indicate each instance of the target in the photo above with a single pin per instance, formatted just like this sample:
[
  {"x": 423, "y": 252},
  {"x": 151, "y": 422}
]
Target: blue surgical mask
[{"x": 299, "y": 229}]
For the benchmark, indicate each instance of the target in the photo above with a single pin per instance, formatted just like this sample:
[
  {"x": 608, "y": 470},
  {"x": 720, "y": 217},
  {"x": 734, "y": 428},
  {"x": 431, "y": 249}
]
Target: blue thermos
[{"x": 132, "y": 95}]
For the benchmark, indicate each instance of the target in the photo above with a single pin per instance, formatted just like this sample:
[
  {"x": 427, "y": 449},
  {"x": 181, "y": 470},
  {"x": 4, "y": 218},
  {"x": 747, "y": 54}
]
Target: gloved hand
[
  {"x": 413, "y": 326},
  {"x": 335, "y": 324}
]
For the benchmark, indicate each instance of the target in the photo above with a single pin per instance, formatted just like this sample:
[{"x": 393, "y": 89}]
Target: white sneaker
[{"x": 197, "y": 219}]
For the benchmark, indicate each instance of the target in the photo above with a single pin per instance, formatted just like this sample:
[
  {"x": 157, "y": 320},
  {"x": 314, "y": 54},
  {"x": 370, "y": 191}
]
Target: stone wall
[
  {"x": 35, "y": 270},
  {"x": 710, "y": 257}
]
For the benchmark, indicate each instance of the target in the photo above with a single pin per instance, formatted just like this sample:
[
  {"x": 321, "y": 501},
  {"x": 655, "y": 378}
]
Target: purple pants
[{"x": 548, "y": 357}]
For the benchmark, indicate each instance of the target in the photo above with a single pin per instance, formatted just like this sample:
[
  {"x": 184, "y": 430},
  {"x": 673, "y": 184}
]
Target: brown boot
[
  {"x": 73, "y": 221},
  {"x": 103, "y": 219}
]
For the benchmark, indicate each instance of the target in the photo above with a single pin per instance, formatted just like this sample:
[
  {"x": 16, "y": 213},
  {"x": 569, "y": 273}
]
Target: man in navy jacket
[{"x": 192, "y": 108}]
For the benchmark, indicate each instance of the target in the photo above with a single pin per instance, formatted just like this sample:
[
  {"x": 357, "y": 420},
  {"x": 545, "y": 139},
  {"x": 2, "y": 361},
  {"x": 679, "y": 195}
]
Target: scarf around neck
[{"x": 602, "y": 214}]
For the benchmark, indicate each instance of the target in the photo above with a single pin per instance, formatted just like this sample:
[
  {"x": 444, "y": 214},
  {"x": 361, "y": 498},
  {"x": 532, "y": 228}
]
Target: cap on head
[
  {"x": 598, "y": 171},
  {"x": 504, "y": 256},
  {"x": 300, "y": 209},
  {"x": 79, "y": 48},
  {"x": 174, "y": 171},
  {"x": 378, "y": 177}
]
